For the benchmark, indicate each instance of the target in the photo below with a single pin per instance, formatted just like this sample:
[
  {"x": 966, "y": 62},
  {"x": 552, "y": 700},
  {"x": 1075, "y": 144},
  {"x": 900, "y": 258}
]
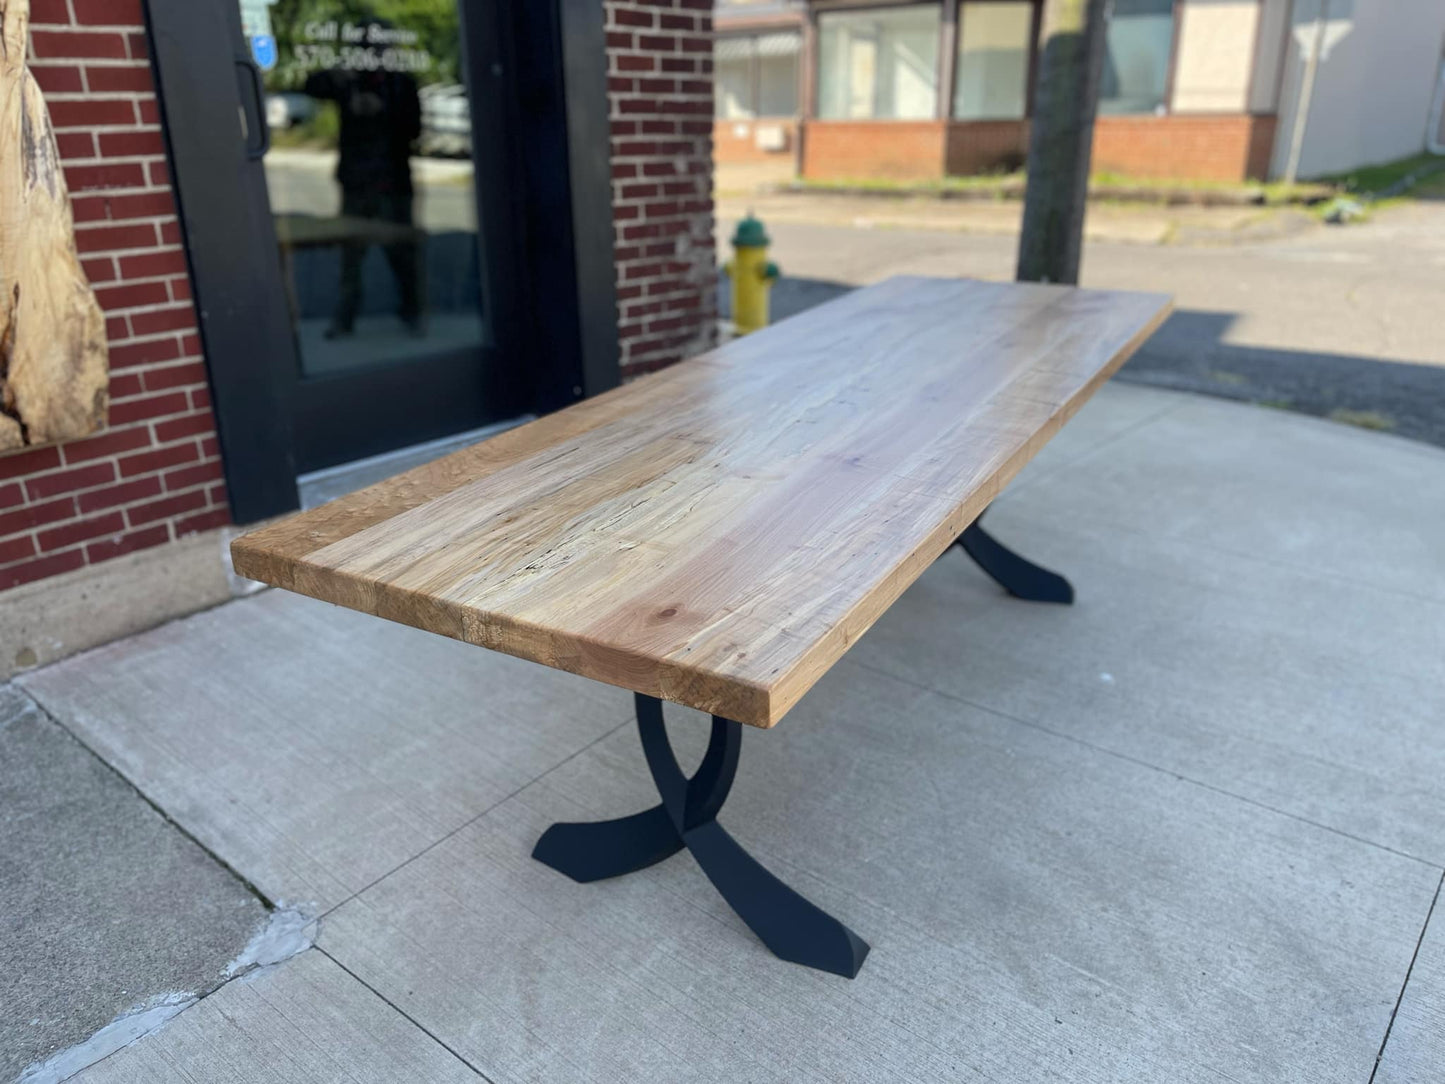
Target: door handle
[{"x": 258, "y": 142}]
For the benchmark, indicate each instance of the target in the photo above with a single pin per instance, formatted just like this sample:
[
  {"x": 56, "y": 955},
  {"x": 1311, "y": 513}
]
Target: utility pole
[
  {"x": 1072, "y": 54},
  {"x": 1306, "y": 92}
]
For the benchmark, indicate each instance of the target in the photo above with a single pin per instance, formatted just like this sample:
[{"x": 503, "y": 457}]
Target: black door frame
[{"x": 550, "y": 218}]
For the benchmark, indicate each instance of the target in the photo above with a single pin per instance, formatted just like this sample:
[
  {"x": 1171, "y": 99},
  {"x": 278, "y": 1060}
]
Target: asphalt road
[{"x": 1344, "y": 321}]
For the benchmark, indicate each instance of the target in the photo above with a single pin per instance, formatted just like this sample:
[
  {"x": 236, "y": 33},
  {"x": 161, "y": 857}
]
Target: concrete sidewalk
[{"x": 1191, "y": 829}]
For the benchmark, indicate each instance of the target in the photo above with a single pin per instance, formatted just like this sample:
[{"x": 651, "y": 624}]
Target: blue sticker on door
[{"x": 263, "y": 51}]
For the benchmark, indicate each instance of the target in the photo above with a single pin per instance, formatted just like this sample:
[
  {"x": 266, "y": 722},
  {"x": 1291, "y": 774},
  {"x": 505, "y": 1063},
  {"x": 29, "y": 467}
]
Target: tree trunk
[
  {"x": 1072, "y": 53},
  {"x": 53, "y": 363}
]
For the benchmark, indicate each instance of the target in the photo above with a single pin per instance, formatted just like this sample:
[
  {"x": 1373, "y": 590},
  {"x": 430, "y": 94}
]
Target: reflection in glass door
[{"x": 371, "y": 180}]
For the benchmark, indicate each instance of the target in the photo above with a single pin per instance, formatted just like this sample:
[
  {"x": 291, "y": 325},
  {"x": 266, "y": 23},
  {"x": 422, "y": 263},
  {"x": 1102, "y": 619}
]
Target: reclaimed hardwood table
[{"x": 719, "y": 533}]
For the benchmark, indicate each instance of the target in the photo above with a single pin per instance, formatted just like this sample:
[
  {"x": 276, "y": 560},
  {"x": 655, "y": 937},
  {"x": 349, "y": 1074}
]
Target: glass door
[
  {"x": 397, "y": 216},
  {"x": 378, "y": 206}
]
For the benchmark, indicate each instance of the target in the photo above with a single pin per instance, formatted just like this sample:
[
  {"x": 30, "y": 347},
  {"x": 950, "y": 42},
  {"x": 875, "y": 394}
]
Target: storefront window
[
  {"x": 994, "y": 41},
  {"x": 1136, "y": 63},
  {"x": 732, "y": 65},
  {"x": 878, "y": 65},
  {"x": 778, "y": 74},
  {"x": 756, "y": 75}
]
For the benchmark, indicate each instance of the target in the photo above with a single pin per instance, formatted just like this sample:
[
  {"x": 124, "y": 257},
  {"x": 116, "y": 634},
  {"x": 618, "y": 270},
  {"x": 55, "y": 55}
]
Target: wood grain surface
[{"x": 719, "y": 533}]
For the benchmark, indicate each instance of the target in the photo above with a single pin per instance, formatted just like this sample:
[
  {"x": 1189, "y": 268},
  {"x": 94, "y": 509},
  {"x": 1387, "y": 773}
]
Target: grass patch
[
  {"x": 1393, "y": 178},
  {"x": 1416, "y": 176},
  {"x": 1362, "y": 419},
  {"x": 1103, "y": 187},
  {"x": 1431, "y": 187},
  {"x": 1268, "y": 193},
  {"x": 983, "y": 182},
  {"x": 1225, "y": 377}
]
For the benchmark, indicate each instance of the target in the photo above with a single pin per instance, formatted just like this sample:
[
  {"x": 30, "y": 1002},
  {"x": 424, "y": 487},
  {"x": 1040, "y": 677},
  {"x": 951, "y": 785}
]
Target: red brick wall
[
  {"x": 1220, "y": 147},
  {"x": 155, "y": 473},
  {"x": 910, "y": 150},
  {"x": 1261, "y": 147},
  {"x": 1213, "y": 147},
  {"x": 660, "y": 91},
  {"x": 986, "y": 146},
  {"x": 730, "y": 146}
]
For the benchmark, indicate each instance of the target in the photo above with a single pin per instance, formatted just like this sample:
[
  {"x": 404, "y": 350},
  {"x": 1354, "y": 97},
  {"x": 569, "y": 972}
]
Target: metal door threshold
[{"x": 318, "y": 487}]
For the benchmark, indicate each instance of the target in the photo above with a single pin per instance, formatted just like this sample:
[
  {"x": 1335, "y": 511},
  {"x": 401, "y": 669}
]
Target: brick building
[
  {"x": 1191, "y": 89},
  {"x": 660, "y": 91},
  {"x": 266, "y": 327}
]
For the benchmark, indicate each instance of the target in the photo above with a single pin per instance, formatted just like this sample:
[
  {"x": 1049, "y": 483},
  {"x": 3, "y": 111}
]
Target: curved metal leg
[
  {"x": 793, "y": 928},
  {"x": 602, "y": 849},
  {"x": 1020, "y": 578}
]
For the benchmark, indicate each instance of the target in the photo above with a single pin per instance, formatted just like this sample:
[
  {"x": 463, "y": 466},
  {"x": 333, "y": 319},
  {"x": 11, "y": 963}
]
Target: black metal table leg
[
  {"x": 1020, "y": 578},
  {"x": 594, "y": 852},
  {"x": 792, "y": 927}
]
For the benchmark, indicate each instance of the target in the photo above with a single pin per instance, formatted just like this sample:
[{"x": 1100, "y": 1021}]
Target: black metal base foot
[
  {"x": 792, "y": 927},
  {"x": 1020, "y": 578}
]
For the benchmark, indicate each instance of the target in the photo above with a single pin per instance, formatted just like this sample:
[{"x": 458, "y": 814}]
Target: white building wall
[
  {"x": 1373, "y": 91},
  {"x": 1214, "y": 55}
]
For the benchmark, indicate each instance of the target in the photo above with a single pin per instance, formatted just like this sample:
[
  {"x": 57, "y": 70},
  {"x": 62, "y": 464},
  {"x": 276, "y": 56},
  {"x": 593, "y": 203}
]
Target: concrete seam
[
  {"x": 474, "y": 818},
  {"x": 1429, "y": 864},
  {"x": 245, "y": 974},
  {"x": 1424, "y": 928},
  {"x": 239, "y": 968},
  {"x": 250, "y": 887},
  {"x": 406, "y": 1015}
]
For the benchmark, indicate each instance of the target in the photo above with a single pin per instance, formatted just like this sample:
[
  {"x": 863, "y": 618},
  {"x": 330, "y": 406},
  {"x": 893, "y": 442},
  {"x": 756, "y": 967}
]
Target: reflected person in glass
[{"x": 380, "y": 115}]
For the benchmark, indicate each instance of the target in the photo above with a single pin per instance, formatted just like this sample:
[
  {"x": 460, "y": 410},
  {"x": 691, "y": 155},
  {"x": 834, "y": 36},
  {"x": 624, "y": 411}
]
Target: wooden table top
[{"x": 717, "y": 534}]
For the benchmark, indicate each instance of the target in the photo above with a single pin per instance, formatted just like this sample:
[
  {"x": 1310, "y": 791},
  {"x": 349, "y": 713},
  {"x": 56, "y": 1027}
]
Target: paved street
[
  {"x": 1324, "y": 320},
  {"x": 1190, "y": 829}
]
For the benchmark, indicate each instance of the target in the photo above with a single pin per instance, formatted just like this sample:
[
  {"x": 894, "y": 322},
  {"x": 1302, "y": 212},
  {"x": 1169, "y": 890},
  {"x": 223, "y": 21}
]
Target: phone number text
[{"x": 361, "y": 59}]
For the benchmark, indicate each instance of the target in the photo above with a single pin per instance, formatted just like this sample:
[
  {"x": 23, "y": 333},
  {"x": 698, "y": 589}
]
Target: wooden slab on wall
[{"x": 53, "y": 358}]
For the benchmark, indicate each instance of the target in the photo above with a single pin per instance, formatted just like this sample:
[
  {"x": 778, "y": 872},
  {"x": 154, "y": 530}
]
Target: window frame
[
  {"x": 1166, "y": 106},
  {"x": 1031, "y": 75},
  {"x": 813, "y": 87},
  {"x": 810, "y": 68},
  {"x": 752, "y": 80},
  {"x": 755, "y": 72}
]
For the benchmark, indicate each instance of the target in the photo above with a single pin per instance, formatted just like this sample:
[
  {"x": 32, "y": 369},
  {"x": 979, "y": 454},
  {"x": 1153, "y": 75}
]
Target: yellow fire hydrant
[{"x": 752, "y": 276}]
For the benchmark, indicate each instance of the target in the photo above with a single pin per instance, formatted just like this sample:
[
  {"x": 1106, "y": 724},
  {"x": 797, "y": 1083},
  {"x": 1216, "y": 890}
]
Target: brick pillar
[
  {"x": 154, "y": 474},
  {"x": 659, "y": 62}
]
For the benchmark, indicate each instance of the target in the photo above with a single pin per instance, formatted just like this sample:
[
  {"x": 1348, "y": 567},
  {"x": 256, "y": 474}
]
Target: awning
[
  {"x": 736, "y": 47},
  {"x": 782, "y": 43},
  {"x": 740, "y": 48}
]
